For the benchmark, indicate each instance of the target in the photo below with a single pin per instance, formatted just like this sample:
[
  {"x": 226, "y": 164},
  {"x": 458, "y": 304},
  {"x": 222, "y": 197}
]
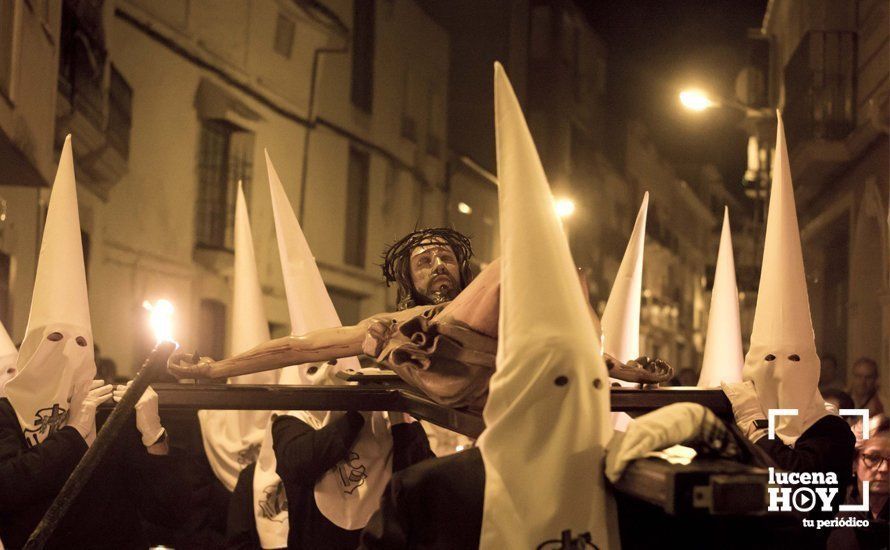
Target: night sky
[{"x": 655, "y": 48}]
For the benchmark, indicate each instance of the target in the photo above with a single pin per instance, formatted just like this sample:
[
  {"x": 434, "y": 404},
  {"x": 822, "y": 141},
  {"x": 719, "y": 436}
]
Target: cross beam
[{"x": 396, "y": 397}]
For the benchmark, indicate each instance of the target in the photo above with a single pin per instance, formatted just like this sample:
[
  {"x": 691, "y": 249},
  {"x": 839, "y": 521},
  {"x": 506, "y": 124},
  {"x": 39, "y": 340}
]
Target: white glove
[
  {"x": 147, "y": 418},
  {"x": 87, "y": 396},
  {"x": 745, "y": 408},
  {"x": 653, "y": 431}
]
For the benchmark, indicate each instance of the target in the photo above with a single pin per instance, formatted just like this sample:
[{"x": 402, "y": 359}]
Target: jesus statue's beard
[{"x": 442, "y": 294}]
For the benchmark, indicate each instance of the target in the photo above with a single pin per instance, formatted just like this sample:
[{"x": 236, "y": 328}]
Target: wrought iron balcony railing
[{"x": 820, "y": 87}]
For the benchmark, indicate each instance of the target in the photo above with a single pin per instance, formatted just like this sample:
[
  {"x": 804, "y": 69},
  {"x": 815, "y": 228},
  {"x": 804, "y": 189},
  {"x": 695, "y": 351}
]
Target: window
[
  {"x": 120, "y": 113},
  {"x": 284, "y": 36},
  {"x": 212, "y": 329},
  {"x": 436, "y": 122},
  {"x": 82, "y": 60},
  {"x": 347, "y": 304},
  {"x": 820, "y": 84},
  {"x": 225, "y": 157},
  {"x": 409, "y": 128},
  {"x": 356, "y": 208},
  {"x": 409, "y": 99},
  {"x": 362, "y": 93},
  {"x": 7, "y": 35}
]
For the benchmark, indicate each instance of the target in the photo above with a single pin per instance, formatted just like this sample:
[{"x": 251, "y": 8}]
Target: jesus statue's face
[{"x": 434, "y": 271}]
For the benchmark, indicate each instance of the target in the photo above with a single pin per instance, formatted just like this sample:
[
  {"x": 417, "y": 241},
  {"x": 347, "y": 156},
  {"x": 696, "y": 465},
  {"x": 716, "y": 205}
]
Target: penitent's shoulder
[{"x": 833, "y": 427}]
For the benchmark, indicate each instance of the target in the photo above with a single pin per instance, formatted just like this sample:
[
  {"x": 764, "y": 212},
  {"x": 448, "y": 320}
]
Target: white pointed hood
[
  {"x": 310, "y": 308},
  {"x": 782, "y": 360},
  {"x": 8, "y": 356},
  {"x": 232, "y": 438},
  {"x": 621, "y": 318},
  {"x": 723, "y": 358},
  {"x": 56, "y": 355},
  {"x": 547, "y": 414}
]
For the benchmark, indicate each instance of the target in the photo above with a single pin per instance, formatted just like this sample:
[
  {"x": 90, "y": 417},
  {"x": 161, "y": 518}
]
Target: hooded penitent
[
  {"x": 723, "y": 357},
  {"x": 56, "y": 356},
  {"x": 621, "y": 318},
  {"x": 547, "y": 414},
  {"x": 232, "y": 438},
  {"x": 349, "y": 504},
  {"x": 782, "y": 360},
  {"x": 8, "y": 355}
]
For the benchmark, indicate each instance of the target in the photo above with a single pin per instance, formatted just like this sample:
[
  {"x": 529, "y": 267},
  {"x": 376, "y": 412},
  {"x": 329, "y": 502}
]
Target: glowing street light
[
  {"x": 564, "y": 208},
  {"x": 464, "y": 208},
  {"x": 160, "y": 319},
  {"x": 695, "y": 100}
]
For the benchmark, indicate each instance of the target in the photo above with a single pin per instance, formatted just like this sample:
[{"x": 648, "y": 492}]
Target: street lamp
[
  {"x": 564, "y": 207},
  {"x": 759, "y": 152},
  {"x": 695, "y": 100}
]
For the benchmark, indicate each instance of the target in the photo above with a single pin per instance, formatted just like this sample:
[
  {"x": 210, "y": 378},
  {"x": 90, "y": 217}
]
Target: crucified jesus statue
[{"x": 443, "y": 340}]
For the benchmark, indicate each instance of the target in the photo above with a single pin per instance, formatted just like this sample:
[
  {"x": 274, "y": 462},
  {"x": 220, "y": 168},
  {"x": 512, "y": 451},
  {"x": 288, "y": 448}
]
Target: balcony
[
  {"x": 98, "y": 117},
  {"x": 820, "y": 99}
]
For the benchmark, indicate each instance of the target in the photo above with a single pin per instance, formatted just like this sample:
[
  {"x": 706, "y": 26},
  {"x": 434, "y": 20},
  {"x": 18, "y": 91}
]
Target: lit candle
[{"x": 160, "y": 319}]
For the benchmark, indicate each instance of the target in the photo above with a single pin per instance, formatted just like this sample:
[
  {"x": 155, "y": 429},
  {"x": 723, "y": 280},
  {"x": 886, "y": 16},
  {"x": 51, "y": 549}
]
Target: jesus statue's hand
[
  {"x": 188, "y": 365},
  {"x": 641, "y": 370}
]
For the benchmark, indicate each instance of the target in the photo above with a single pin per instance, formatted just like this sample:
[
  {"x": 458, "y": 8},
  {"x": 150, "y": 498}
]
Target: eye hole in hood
[
  {"x": 54, "y": 336},
  {"x": 794, "y": 357},
  {"x": 81, "y": 341},
  {"x": 770, "y": 357}
]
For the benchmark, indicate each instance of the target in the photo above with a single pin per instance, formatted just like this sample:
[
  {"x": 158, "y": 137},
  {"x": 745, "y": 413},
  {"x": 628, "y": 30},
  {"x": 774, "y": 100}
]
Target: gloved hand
[
  {"x": 87, "y": 396},
  {"x": 746, "y": 408},
  {"x": 148, "y": 421},
  {"x": 653, "y": 431}
]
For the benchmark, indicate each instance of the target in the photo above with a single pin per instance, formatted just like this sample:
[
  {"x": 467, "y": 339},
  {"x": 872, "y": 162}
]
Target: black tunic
[
  {"x": 128, "y": 483},
  {"x": 304, "y": 455},
  {"x": 241, "y": 533},
  {"x": 438, "y": 504}
]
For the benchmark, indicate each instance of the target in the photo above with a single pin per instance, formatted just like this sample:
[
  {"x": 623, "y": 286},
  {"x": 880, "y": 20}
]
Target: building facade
[
  {"x": 566, "y": 113},
  {"x": 681, "y": 239},
  {"x": 29, "y": 50},
  {"x": 172, "y": 104},
  {"x": 830, "y": 74}
]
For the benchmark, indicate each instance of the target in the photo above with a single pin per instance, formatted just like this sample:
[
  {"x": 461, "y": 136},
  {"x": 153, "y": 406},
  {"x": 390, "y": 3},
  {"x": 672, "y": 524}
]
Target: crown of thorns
[{"x": 395, "y": 259}]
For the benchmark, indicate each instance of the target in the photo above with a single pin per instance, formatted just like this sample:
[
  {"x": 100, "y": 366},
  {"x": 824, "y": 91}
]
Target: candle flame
[{"x": 160, "y": 319}]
